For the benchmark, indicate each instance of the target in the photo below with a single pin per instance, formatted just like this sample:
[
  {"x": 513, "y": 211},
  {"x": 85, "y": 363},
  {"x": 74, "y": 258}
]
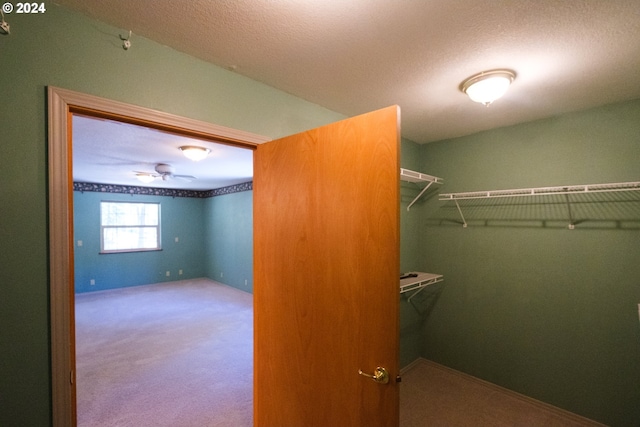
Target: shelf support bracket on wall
[
  {"x": 572, "y": 224},
  {"x": 416, "y": 282},
  {"x": 419, "y": 195},
  {"x": 418, "y": 177},
  {"x": 464, "y": 222}
]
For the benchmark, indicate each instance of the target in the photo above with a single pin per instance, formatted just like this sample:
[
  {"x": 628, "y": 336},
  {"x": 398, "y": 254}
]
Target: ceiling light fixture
[
  {"x": 488, "y": 86},
  {"x": 195, "y": 153},
  {"x": 145, "y": 177}
]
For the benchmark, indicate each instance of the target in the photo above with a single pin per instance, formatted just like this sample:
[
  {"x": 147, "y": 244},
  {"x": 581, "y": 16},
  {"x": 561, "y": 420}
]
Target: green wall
[
  {"x": 411, "y": 319},
  {"x": 527, "y": 303},
  {"x": 64, "y": 49}
]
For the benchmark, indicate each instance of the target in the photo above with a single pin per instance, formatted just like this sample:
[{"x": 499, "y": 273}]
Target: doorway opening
[
  {"x": 63, "y": 105},
  {"x": 149, "y": 326}
]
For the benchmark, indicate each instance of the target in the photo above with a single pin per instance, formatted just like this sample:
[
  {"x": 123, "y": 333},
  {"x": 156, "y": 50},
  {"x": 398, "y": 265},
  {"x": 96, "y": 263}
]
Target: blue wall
[
  {"x": 181, "y": 218},
  {"x": 215, "y": 240},
  {"x": 228, "y": 227}
]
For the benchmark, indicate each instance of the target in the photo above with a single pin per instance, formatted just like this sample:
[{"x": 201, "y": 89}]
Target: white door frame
[{"x": 61, "y": 103}]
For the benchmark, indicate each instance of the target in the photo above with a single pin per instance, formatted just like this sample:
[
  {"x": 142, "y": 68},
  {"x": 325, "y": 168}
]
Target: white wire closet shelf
[
  {"x": 417, "y": 281},
  {"x": 565, "y": 190},
  {"x": 418, "y": 178}
]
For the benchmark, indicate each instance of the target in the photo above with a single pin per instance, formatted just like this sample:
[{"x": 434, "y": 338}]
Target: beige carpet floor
[
  {"x": 174, "y": 354},
  {"x": 434, "y": 395}
]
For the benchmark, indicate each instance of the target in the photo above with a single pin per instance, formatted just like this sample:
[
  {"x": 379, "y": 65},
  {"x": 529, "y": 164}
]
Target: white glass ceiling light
[
  {"x": 488, "y": 86},
  {"x": 145, "y": 177},
  {"x": 195, "y": 153}
]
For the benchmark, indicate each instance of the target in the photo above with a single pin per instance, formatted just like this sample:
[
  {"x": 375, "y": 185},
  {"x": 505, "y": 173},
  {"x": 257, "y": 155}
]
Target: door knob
[{"x": 380, "y": 375}]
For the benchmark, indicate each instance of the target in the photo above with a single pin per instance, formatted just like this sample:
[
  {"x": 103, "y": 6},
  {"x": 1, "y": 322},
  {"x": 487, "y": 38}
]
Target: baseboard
[
  {"x": 418, "y": 361},
  {"x": 570, "y": 416}
]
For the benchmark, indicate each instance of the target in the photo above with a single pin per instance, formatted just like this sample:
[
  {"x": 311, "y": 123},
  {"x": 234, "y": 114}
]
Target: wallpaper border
[{"x": 168, "y": 192}]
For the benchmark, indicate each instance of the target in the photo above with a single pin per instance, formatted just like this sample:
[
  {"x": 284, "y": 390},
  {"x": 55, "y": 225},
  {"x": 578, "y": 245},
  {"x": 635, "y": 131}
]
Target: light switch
[{"x": 79, "y": 243}]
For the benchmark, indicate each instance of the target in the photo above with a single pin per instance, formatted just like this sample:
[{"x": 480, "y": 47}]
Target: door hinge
[{"x": 71, "y": 376}]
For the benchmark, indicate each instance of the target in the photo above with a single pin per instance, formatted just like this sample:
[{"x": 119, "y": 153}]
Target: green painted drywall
[
  {"x": 64, "y": 49},
  {"x": 410, "y": 256},
  {"x": 409, "y": 252},
  {"x": 531, "y": 305}
]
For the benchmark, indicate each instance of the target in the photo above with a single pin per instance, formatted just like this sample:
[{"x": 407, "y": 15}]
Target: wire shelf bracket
[{"x": 418, "y": 178}]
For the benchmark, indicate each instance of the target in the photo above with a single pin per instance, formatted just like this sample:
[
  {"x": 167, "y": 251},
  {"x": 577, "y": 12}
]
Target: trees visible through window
[{"x": 128, "y": 227}]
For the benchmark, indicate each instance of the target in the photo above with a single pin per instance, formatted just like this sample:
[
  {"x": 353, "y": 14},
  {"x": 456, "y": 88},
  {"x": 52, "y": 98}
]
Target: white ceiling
[
  {"x": 354, "y": 56},
  {"x": 111, "y": 152}
]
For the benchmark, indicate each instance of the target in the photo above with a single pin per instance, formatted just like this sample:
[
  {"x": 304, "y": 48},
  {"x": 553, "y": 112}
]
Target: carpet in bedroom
[{"x": 173, "y": 354}]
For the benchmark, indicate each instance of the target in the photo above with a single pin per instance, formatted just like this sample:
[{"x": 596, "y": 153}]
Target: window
[{"x": 128, "y": 227}]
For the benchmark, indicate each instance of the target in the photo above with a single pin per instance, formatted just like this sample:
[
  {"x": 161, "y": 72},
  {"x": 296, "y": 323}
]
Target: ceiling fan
[{"x": 163, "y": 171}]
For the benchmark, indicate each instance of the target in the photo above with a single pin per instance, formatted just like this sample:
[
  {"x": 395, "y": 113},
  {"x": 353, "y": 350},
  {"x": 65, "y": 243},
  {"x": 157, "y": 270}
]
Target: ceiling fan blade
[
  {"x": 107, "y": 160},
  {"x": 155, "y": 175},
  {"x": 185, "y": 177}
]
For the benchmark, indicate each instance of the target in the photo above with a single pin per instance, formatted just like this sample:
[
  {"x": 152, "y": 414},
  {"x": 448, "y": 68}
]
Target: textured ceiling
[
  {"x": 111, "y": 152},
  {"x": 354, "y": 56}
]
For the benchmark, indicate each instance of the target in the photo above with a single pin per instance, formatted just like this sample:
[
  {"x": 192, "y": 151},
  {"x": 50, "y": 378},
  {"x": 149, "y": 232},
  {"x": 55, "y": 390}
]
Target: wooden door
[{"x": 326, "y": 272}]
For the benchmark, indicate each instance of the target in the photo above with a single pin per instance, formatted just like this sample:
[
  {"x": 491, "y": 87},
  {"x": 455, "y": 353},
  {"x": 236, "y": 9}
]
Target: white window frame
[{"x": 104, "y": 228}]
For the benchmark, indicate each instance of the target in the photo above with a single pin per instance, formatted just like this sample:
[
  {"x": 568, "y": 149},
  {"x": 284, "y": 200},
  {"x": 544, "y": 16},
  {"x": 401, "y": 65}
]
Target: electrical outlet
[
  {"x": 177, "y": 239},
  {"x": 221, "y": 274},
  {"x": 168, "y": 273},
  {"x": 92, "y": 282},
  {"x": 79, "y": 243},
  {"x": 246, "y": 282}
]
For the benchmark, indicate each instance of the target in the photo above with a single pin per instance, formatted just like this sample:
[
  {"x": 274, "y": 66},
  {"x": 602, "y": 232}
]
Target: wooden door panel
[{"x": 326, "y": 264}]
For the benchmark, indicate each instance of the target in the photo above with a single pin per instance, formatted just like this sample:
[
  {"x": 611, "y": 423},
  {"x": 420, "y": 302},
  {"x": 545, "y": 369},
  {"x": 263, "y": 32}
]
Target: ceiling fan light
[
  {"x": 488, "y": 86},
  {"x": 145, "y": 177},
  {"x": 195, "y": 153}
]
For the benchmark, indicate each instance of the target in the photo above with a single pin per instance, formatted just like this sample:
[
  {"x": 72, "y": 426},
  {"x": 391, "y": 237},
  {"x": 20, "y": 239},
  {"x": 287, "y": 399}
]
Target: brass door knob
[{"x": 380, "y": 375}]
